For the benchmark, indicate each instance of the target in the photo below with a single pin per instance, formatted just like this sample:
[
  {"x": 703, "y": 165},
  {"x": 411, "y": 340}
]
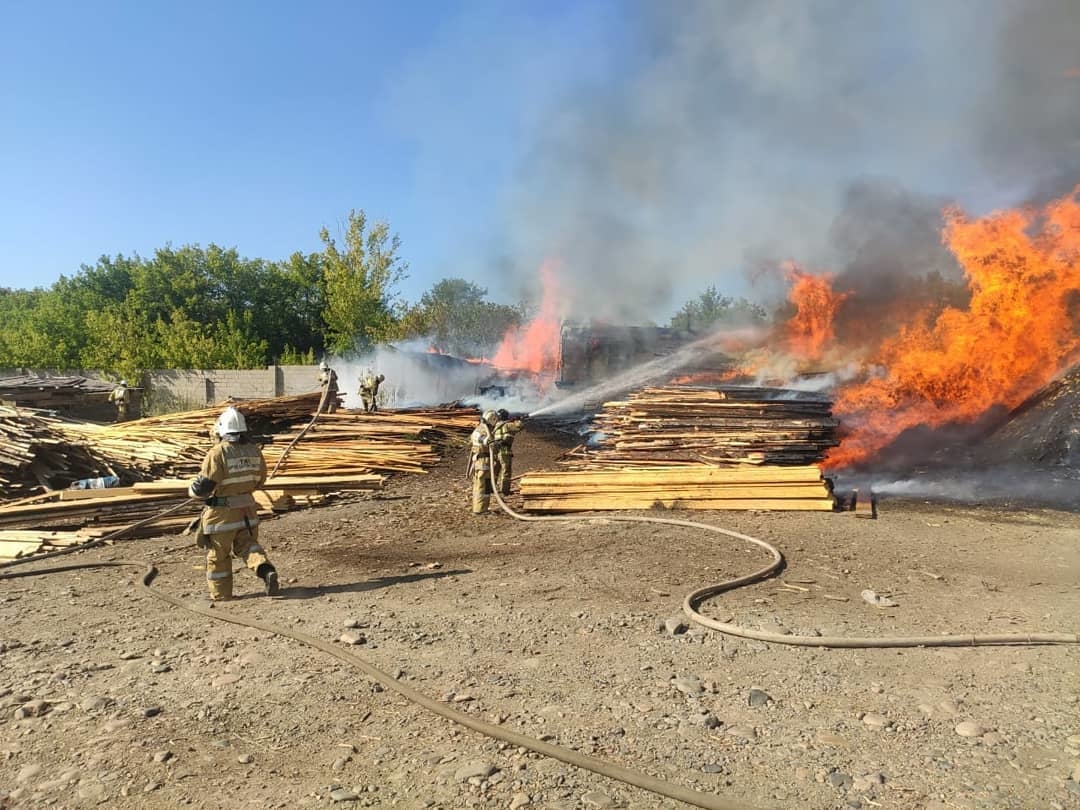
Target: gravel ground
[{"x": 565, "y": 631}]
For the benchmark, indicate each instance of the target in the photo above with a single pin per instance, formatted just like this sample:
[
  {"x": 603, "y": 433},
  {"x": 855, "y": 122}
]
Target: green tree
[
  {"x": 711, "y": 309},
  {"x": 359, "y": 280},
  {"x": 455, "y": 314}
]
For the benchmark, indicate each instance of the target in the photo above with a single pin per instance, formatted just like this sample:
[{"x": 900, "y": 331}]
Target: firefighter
[
  {"x": 479, "y": 465},
  {"x": 121, "y": 398},
  {"x": 503, "y": 436},
  {"x": 328, "y": 382},
  {"x": 369, "y": 390},
  {"x": 229, "y": 527}
]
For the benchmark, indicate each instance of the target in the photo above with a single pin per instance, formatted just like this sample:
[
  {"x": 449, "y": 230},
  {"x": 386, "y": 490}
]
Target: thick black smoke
[{"x": 732, "y": 132}]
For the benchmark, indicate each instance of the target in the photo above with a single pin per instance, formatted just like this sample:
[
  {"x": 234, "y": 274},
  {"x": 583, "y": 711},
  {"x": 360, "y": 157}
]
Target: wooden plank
[{"x": 599, "y": 504}]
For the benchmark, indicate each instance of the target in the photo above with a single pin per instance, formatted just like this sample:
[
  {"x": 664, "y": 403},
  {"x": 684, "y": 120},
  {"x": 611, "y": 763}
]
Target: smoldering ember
[{"x": 829, "y": 563}]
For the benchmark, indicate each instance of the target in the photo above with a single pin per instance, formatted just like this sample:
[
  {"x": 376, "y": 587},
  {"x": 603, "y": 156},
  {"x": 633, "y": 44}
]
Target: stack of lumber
[
  {"x": 74, "y": 517},
  {"x": 344, "y": 451},
  {"x": 355, "y": 442},
  {"x": 727, "y": 425},
  {"x": 52, "y": 392},
  {"x": 33, "y": 450},
  {"x": 679, "y": 487},
  {"x": 687, "y": 447}
]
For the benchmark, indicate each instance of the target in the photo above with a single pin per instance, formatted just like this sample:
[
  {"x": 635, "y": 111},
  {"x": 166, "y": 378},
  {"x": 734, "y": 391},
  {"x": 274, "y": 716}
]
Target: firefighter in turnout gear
[
  {"x": 503, "y": 436},
  {"x": 480, "y": 465},
  {"x": 121, "y": 398},
  {"x": 328, "y": 381},
  {"x": 229, "y": 527},
  {"x": 369, "y": 390}
]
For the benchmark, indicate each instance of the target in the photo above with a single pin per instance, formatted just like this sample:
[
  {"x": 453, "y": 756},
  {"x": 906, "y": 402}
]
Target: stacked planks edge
[
  {"x": 679, "y": 487},
  {"x": 689, "y": 447},
  {"x": 726, "y": 425}
]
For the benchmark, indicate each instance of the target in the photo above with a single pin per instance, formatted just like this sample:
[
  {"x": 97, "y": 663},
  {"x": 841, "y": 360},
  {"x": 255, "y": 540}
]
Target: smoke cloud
[{"x": 729, "y": 135}]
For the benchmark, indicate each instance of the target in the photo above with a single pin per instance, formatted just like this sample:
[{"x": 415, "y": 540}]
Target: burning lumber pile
[
  {"x": 696, "y": 448},
  {"x": 730, "y": 425}
]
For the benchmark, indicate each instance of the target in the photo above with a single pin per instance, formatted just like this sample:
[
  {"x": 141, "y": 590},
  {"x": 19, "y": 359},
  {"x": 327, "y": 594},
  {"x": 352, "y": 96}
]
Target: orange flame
[
  {"x": 1019, "y": 330},
  {"x": 810, "y": 331},
  {"x": 535, "y": 346}
]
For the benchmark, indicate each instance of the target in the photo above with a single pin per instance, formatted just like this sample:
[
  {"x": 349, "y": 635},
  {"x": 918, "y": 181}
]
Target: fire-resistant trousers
[
  {"x": 242, "y": 544},
  {"x": 502, "y": 470},
  {"x": 481, "y": 487}
]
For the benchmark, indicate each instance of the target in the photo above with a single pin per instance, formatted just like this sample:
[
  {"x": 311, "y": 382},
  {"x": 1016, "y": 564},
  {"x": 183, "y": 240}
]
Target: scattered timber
[{"x": 157, "y": 458}]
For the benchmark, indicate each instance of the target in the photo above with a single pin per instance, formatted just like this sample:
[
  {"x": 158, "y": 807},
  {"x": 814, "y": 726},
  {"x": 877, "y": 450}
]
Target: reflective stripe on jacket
[{"x": 237, "y": 469}]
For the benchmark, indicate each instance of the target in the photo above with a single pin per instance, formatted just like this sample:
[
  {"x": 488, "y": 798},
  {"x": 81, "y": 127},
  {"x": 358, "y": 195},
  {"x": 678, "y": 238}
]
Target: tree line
[{"x": 195, "y": 307}]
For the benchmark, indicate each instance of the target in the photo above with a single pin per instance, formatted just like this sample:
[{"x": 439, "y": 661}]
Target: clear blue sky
[
  {"x": 252, "y": 123},
  {"x": 654, "y": 146}
]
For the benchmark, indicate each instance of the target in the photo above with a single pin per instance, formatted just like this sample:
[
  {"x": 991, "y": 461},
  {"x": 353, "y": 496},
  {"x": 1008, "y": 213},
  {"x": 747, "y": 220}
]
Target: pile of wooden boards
[
  {"x": 696, "y": 448},
  {"x": 681, "y": 487},
  {"x": 726, "y": 425},
  {"x": 343, "y": 451}
]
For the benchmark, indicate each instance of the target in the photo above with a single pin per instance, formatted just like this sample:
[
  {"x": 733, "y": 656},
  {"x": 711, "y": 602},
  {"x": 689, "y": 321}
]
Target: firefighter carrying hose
[
  {"x": 369, "y": 390},
  {"x": 229, "y": 527},
  {"x": 479, "y": 464},
  {"x": 503, "y": 436},
  {"x": 328, "y": 381}
]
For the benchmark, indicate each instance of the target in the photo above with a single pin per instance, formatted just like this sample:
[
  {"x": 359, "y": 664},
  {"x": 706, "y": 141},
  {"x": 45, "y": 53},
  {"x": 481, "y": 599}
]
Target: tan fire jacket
[{"x": 237, "y": 470}]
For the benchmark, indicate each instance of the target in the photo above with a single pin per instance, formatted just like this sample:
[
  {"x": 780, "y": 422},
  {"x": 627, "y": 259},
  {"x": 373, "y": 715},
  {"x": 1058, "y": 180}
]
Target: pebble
[
  {"x": 712, "y": 767},
  {"x": 594, "y": 798},
  {"x": 520, "y": 800},
  {"x": 688, "y": 685},
  {"x": 352, "y": 637},
  {"x": 245, "y": 759},
  {"x": 876, "y": 720},
  {"x": 151, "y": 787},
  {"x": 151, "y": 711},
  {"x": 675, "y": 626},
  {"x": 162, "y": 756},
  {"x": 343, "y": 795},
  {"x": 226, "y": 679},
  {"x": 839, "y": 780},
  {"x": 476, "y": 769},
  {"x": 830, "y": 739},
  {"x": 969, "y": 728},
  {"x": 758, "y": 698}
]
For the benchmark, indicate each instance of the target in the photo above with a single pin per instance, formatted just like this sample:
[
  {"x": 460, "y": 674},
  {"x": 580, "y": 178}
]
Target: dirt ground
[{"x": 110, "y": 697}]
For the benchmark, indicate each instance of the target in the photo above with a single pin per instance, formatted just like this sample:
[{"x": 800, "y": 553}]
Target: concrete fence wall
[{"x": 171, "y": 390}]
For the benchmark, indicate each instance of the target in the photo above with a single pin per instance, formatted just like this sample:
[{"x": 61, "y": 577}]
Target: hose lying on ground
[
  {"x": 570, "y": 757},
  {"x": 694, "y": 599},
  {"x": 690, "y": 603}
]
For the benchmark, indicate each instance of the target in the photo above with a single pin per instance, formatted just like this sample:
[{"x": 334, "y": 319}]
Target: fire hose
[{"x": 690, "y": 604}]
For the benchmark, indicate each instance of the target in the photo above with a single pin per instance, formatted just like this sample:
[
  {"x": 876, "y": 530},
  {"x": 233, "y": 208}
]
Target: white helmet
[
  {"x": 491, "y": 417},
  {"x": 231, "y": 422},
  {"x": 324, "y": 366},
  {"x": 123, "y": 383}
]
